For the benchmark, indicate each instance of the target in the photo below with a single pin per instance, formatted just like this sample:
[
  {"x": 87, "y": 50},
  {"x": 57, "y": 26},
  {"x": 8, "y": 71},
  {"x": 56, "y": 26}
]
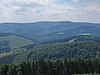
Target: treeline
[{"x": 53, "y": 67}]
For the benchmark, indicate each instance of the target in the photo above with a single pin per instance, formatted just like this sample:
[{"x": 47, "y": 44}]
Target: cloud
[
  {"x": 76, "y": 1},
  {"x": 36, "y": 10}
]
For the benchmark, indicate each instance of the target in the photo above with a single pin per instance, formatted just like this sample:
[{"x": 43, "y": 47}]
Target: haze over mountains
[{"x": 44, "y": 31}]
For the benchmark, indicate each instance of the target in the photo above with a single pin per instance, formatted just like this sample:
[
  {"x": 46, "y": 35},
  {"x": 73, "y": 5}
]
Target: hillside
[
  {"x": 82, "y": 37},
  {"x": 77, "y": 38},
  {"x": 83, "y": 47},
  {"x": 11, "y": 41},
  {"x": 84, "y": 50},
  {"x": 91, "y": 30}
]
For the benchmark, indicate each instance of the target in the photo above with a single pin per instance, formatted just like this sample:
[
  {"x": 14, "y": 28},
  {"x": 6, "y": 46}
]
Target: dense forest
[
  {"x": 82, "y": 49},
  {"x": 72, "y": 50},
  {"x": 53, "y": 67}
]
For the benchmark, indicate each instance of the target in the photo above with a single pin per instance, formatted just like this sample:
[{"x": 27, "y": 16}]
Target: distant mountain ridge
[{"x": 45, "y": 31}]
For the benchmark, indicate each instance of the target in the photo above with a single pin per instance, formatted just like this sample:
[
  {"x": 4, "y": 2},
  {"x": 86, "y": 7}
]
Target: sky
[{"x": 49, "y": 10}]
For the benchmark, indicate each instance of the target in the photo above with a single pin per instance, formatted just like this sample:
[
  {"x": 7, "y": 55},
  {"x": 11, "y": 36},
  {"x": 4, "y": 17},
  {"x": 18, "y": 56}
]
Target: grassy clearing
[
  {"x": 16, "y": 41},
  {"x": 6, "y": 54}
]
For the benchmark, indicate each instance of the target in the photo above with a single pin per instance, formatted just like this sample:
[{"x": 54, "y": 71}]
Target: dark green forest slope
[
  {"x": 79, "y": 48},
  {"x": 84, "y": 50},
  {"x": 83, "y": 46}
]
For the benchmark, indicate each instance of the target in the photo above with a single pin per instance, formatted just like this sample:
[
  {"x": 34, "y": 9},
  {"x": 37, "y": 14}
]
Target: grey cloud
[{"x": 55, "y": 9}]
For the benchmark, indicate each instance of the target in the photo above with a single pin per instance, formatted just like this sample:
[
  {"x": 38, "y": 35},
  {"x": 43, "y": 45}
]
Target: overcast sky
[{"x": 49, "y": 10}]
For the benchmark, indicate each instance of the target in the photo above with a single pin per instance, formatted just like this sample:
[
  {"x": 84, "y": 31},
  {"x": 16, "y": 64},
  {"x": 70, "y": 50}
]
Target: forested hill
[{"x": 83, "y": 50}]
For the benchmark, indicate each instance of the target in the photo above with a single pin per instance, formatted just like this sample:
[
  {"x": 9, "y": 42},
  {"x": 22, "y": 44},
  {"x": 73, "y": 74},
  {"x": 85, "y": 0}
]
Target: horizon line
[{"x": 51, "y": 21}]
